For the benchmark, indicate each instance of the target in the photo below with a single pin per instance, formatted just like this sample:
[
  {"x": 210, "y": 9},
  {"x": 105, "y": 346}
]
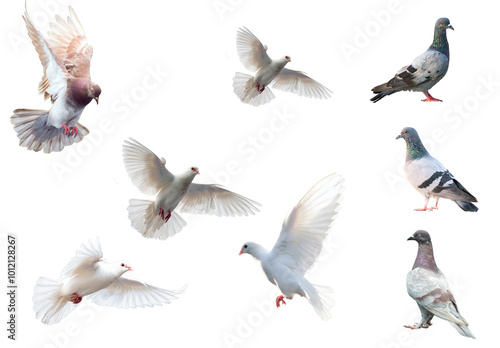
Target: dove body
[
  {"x": 172, "y": 193},
  {"x": 268, "y": 73}
]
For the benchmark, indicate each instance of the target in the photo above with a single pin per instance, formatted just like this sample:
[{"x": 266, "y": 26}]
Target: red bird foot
[
  {"x": 259, "y": 88},
  {"x": 66, "y": 129},
  {"x": 280, "y": 299},
  {"x": 74, "y": 131},
  {"x": 430, "y": 98},
  {"x": 412, "y": 327},
  {"x": 162, "y": 214},
  {"x": 426, "y": 209},
  {"x": 75, "y": 298}
]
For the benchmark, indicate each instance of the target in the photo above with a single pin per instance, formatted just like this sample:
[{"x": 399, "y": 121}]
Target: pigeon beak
[
  {"x": 450, "y": 27},
  {"x": 129, "y": 268},
  {"x": 399, "y": 136},
  {"x": 96, "y": 100},
  {"x": 197, "y": 172},
  {"x": 411, "y": 238},
  {"x": 241, "y": 252}
]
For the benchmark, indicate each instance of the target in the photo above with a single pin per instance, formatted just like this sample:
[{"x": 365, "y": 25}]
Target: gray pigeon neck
[
  {"x": 425, "y": 257},
  {"x": 440, "y": 42},
  {"x": 415, "y": 149}
]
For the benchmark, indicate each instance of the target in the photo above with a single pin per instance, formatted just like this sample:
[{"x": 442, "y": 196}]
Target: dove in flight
[
  {"x": 88, "y": 275},
  {"x": 157, "y": 219},
  {"x": 65, "y": 56},
  {"x": 425, "y": 71},
  {"x": 254, "y": 90},
  {"x": 430, "y": 177},
  {"x": 300, "y": 243},
  {"x": 428, "y": 286}
]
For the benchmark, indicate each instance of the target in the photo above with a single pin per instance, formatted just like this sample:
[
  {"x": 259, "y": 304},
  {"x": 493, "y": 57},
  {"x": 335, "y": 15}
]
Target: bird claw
[
  {"x": 280, "y": 299},
  {"x": 162, "y": 214},
  {"x": 66, "y": 129},
  {"x": 258, "y": 86},
  {"x": 412, "y": 327},
  {"x": 74, "y": 131},
  {"x": 430, "y": 98},
  {"x": 75, "y": 298},
  {"x": 426, "y": 209}
]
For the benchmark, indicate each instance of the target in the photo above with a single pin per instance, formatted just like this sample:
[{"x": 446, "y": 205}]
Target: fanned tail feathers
[
  {"x": 145, "y": 219},
  {"x": 34, "y": 133},
  {"x": 48, "y": 305},
  {"x": 245, "y": 89}
]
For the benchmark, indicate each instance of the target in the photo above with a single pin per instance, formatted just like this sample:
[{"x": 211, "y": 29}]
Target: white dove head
[
  {"x": 193, "y": 171},
  {"x": 286, "y": 59},
  {"x": 249, "y": 248},
  {"x": 120, "y": 267}
]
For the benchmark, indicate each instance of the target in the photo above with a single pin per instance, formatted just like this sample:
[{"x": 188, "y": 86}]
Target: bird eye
[
  {"x": 123, "y": 265},
  {"x": 245, "y": 246},
  {"x": 406, "y": 132},
  {"x": 192, "y": 168},
  {"x": 442, "y": 22}
]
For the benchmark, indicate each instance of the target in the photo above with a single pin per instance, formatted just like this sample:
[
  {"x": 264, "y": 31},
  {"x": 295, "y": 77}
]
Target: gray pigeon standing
[
  {"x": 429, "y": 177},
  {"x": 428, "y": 286},
  {"x": 425, "y": 71}
]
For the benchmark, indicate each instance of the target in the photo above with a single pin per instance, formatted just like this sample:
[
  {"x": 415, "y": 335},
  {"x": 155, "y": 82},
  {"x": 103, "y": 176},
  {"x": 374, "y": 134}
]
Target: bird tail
[
  {"x": 463, "y": 330},
  {"x": 467, "y": 206},
  {"x": 34, "y": 133},
  {"x": 380, "y": 95},
  {"x": 246, "y": 90},
  {"x": 320, "y": 297},
  {"x": 48, "y": 303},
  {"x": 146, "y": 219}
]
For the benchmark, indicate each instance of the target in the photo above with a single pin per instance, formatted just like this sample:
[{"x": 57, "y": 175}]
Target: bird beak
[
  {"x": 450, "y": 27},
  {"x": 411, "y": 238},
  {"x": 97, "y": 100},
  {"x": 241, "y": 252},
  {"x": 130, "y": 268},
  {"x": 197, "y": 172},
  {"x": 399, "y": 136}
]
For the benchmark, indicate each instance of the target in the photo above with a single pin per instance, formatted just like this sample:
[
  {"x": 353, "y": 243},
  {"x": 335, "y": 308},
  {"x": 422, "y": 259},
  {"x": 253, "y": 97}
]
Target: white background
[{"x": 190, "y": 116}]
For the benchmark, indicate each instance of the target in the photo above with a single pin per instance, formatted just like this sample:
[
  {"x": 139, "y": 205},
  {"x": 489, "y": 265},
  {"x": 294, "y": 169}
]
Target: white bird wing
[
  {"x": 299, "y": 83},
  {"x": 215, "y": 200},
  {"x": 55, "y": 76},
  {"x": 85, "y": 258},
  {"x": 431, "y": 291},
  {"x": 145, "y": 169},
  {"x": 304, "y": 230},
  {"x": 128, "y": 293},
  {"x": 252, "y": 53}
]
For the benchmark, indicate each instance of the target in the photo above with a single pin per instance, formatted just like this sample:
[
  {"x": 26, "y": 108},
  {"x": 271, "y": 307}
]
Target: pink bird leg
[
  {"x": 162, "y": 214},
  {"x": 74, "y": 131},
  {"x": 430, "y": 98},
  {"x": 66, "y": 129},
  {"x": 280, "y": 299}
]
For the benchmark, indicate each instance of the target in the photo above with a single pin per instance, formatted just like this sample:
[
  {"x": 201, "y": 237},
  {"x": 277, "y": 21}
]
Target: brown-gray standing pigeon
[
  {"x": 425, "y": 71},
  {"x": 65, "y": 57},
  {"x": 428, "y": 286}
]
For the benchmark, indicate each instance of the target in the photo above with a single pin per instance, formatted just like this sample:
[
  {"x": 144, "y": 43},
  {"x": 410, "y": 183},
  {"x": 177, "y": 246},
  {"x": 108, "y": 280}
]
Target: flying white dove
[
  {"x": 89, "y": 275},
  {"x": 157, "y": 219},
  {"x": 254, "y": 89},
  {"x": 300, "y": 243},
  {"x": 65, "y": 57}
]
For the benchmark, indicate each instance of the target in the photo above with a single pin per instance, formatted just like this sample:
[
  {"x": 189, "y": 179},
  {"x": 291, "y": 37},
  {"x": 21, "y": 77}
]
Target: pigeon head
[
  {"x": 408, "y": 134},
  {"x": 193, "y": 171},
  {"x": 118, "y": 268},
  {"x": 285, "y": 60},
  {"x": 249, "y": 248},
  {"x": 83, "y": 91},
  {"x": 443, "y": 24},
  {"x": 422, "y": 237}
]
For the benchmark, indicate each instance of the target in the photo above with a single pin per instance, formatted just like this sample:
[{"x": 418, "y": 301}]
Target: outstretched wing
[
  {"x": 127, "y": 293},
  {"x": 304, "y": 230},
  {"x": 299, "y": 83},
  {"x": 252, "y": 53},
  {"x": 146, "y": 170},
  {"x": 84, "y": 259},
  {"x": 55, "y": 76},
  {"x": 215, "y": 200}
]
